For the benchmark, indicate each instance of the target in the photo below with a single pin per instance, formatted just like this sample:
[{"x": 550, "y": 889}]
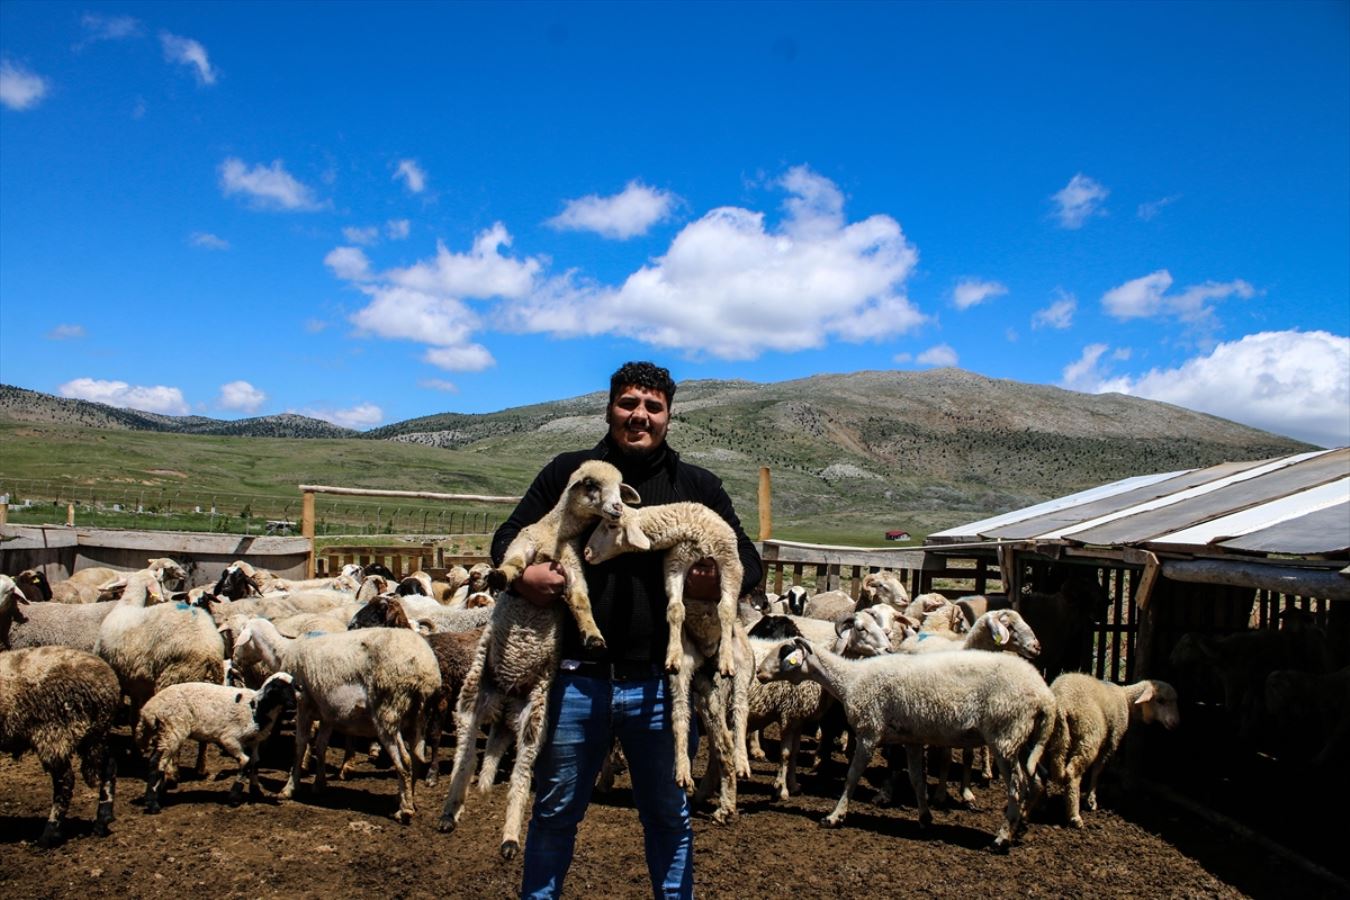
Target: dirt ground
[{"x": 344, "y": 843}]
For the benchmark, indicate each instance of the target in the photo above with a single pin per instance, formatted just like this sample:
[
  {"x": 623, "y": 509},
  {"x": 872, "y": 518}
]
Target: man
[{"x": 621, "y": 691}]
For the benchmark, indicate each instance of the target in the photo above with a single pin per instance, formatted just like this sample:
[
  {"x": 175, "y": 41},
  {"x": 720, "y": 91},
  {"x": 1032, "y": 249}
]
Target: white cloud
[
  {"x": 1058, "y": 314},
  {"x": 364, "y": 236},
  {"x": 363, "y": 415},
  {"x": 66, "y": 332},
  {"x": 468, "y": 358},
  {"x": 1079, "y": 200},
  {"x": 314, "y": 326},
  {"x": 1295, "y": 383},
  {"x": 1151, "y": 209},
  {"x": 938, "y": 355},
  {"x": 20, "y": 88},
  {"x": 107, "y": 28},
  {"x": 208, "y": 240},
  {"x": 439, "y": 384},
  {"x": 815, "y": 277},
  {"x": 1148, "y": 296},
  {"x": 621, "y": 216},
  {"x": 971, "y": 291},
  {"x": 189, "y": 53},
  {"x": 412, "y": 175},
  {"x": 397, "y": 229},
  {"x": 348, "y": 263},
  {"x": 241, "y": 396},
  {"x": 268, "y": 187},
  {"x": 158, "y": 399}
]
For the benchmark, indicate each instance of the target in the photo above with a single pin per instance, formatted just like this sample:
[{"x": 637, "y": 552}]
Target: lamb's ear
[
  {"x": 1146, "y": 696},
  {"x": 629, "y": 495},
  {"x": 634, "y": 536},
  {"x": 999, "y": 631}
]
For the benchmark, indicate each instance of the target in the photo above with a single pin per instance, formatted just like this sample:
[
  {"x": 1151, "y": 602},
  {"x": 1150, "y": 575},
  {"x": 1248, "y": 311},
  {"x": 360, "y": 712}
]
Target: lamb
[
  {"x": 939, "y": 699},
  {"x": 152, "y": 647},
  {"x": 1312, "y": 711},
  {"x": 1091, "y": 721},
  {"x": 507, "y": 687},
  {"x": 10, "y": 598},
  {"x": 885, "y": 588},
  {"x": 374, "y": 682},
  {"x": 47, "y": 624},
  {"x": 235, "y": 719},
  {"x": 1065, "y": 622},
  {"x": 57, "y": 702},
  {"x": 595, "y": 490},
  {"x": 831, "y": 606},
  {"x": 36, "y": 587},
  {"x": 688, "y": 532},
  {"x": 717, "y": 699},
  {"x": 997, "y": 630}
]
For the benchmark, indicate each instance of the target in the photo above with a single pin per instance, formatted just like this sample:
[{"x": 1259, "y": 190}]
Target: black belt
[{"x": 613, "y": 671}]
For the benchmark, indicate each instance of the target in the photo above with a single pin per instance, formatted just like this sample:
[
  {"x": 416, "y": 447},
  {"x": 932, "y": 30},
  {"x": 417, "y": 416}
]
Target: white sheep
[
  {"x": 687, "y": 532},
  {"x": 47, "y": 624},
  {"x": 235, "y": 719},
  {"x": 58, "y": 702},
  {"x": 1092, "y": 719},
  {"x": 884, "y": 588},
  {"x": 594, "y": 491},
  {"x": 507, "y": 687},
  {"x": 153, "y": 646},
  {"x": 830, "y": 606},
  {"x": 374, "y": 682},
  {"x": 939, "y": 699},
  {"x": 721, "y": 702}
]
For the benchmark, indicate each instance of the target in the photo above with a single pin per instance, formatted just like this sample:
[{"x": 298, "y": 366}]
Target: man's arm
[{"x": 714, "y": 496}]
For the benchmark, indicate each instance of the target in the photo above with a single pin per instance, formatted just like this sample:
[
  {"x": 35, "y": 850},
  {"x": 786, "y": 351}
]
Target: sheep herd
[{"x": 397, "y": 663}]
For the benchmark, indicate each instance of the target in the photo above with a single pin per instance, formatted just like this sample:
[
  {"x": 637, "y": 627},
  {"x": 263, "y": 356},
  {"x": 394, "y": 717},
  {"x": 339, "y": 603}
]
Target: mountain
[
  {"x": 848, "y": 454},
  {"x": 22, "y": 405}
]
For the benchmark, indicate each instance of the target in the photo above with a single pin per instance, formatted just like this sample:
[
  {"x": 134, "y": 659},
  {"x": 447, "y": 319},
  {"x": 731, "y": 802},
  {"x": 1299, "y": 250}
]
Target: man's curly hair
[{"x": 642, "y": 374}]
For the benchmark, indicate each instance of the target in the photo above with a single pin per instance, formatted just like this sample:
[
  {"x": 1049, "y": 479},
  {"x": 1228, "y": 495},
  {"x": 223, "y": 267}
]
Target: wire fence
[{"x": 33, "y": 501}]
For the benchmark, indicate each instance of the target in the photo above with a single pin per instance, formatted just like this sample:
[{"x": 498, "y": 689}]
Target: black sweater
[{"x": 628, "y": 596}]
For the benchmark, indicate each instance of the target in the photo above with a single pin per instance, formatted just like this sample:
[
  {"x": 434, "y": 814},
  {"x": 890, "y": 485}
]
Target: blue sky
[{"x": 371, "y": 212}]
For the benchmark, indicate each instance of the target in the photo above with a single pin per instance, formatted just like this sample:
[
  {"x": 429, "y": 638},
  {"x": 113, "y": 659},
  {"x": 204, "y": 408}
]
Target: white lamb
[
  {"x": 374, "y": 682},
  {"x": 939, "y": 699},
  {"x": 235, "y": 719},
  {"x": 1093, "y": 718},
  {"x": 594, "y": 491}
]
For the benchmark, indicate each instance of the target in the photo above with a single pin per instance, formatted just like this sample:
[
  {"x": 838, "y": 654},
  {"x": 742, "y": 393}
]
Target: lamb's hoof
[
  {"x": 509, "y": 849},
  {"x": 236, "y": 796},
  {"x": 831, "y": 822},
  {"x": 673, "y": 666},
  {"x": 593, "y": 642},
  {"x": 925, "y": 819},
  {"x": 446, "y": 824},
  {"x": 1000, "y": 846},
  {"x": 724, "y": 817},
  {"x": 101, "y": 829},
  {"x": 403, "y": 817},
  {"x": 759, "y": 756},
  {"x": 51, "y": 836},
  {"x": 1076, "y": 822},
  {"x": 152, "y": 808}
]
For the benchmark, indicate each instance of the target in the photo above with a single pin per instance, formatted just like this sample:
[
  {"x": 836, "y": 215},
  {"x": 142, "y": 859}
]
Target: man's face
[{"x": 638, "y": 419}]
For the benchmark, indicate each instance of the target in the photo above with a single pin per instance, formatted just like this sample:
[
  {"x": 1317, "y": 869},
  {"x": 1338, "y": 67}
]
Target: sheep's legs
[
  {"x": 675, "y": 617},
  {"x": 740, "y": 717},
  {"x": 63, "y": 786},
  {"x": 752, "y": 746},
  {"x": 533, "y": 721},
  {"x": 304, "y": 722},
  {"x": 321, "y": 739},
  {"x": 790, "y": 738},
  {"x": 862, "y": 753},
  {"x": 726, "y": 618},
  {"x": 1093, "y": 774},
  {"x": 1072, "y": 789},
  {"x": 391, "y": 739},
  {"x": 107, "y": 792},
  {"x": 1012, "y": 813},
  {"x": 713, "y": 715},
  {"x": 679, "y": 722},
  {"x": 468, "y": 717},
  {"x": 914, "y": 759},
  {"x": 499, "y": 738}
]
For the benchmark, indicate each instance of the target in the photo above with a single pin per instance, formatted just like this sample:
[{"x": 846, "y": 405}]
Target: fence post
[
  {"x": 765, "y": 504},
  {"x": 70, "y": 515},
  {"x": 307, "y": 530},
  {"x": 4, "y": 509}
]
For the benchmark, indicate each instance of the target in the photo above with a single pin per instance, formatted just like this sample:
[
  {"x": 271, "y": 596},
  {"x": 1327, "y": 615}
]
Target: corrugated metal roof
[{"x": 1295, "y": 505}]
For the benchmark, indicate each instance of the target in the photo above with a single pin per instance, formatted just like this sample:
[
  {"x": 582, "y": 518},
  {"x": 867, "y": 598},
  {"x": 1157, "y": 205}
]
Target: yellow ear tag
[
  {"x": 794, "y": 658},
  {"x": 1001, "y": 638}
]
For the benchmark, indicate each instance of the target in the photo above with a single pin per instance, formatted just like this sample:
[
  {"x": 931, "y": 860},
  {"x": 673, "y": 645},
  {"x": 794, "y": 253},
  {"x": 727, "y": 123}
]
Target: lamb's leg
[
  {"x": 713, "y": 715},
  {"x": 321, "y": 739},
  {"x": 788, "y": 745},
  {"x": 862, "y": 754},
  {"x": 387, "y": 730},
  {"x": 679, "y": 720},
  {"x": 674, "y": 615},
  {"x": 200, "y": 768},
  {"x": 1073, "y": 774},
  {"x": 304, "y": 722},
  {"x": 499, "y": 738},
  {"x": 579, "y": 602},
  {"x": 467, "y": 720},
  {"x": 1094, "y": 773},
  {"x": 63, "y": 786},
  {"x": 914, "y": 758},
  {"x": 236, "y": 751},
  {"x": 740, "y": 719},
  {"x": 1012, "y": 813},
  {"x": 533, "y": 729},
  {"x": 752, "y": 746},
  {"x": 154, "y": 784},
  {"x": 967, "y": 769},
  {"x": 107, "y": 791},
  {"x": 726, "y": 618}
]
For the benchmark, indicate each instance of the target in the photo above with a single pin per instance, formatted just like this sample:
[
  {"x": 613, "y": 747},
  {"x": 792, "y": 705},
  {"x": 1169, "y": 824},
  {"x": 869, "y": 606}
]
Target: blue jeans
[{"x": 585, "y": 715}]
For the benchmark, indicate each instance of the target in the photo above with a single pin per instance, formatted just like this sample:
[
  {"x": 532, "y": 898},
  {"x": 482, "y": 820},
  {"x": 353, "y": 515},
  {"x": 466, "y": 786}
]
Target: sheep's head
[
  {"x": 610, "y": 539},
  {"x": 1158, "y": 703},
  {"x": 883, "y": 588},
  {"x": 1010, "y": 630},
  {"x": 236, "y": 582},
  {"x": 34, "y": 584},
  {"x": 795, "y": 597},
  {"x": 596, "y": 490},
  {"x": 383, "y": 611},
  {"x": 791, "y": 662},
  {"x": 276, "y": 695},
  {"x": 171, "y": 575},
  {"x": 10, "y": 598}
]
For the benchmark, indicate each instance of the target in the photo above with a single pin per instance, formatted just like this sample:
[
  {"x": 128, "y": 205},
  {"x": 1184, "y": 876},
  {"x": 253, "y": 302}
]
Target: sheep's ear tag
[
  {"x": 794, "y": 658},
  {"x": 1000, "y": 633}
]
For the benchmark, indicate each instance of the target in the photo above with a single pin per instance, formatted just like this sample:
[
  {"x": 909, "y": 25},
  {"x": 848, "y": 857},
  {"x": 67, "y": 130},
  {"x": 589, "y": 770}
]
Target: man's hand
[
  {"x": 702, "y": 582},
  {"x": 541, "y": 583}
]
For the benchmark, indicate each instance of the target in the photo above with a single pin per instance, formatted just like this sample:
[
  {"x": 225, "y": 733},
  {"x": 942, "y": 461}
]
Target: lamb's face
[
  {"x": 596, "y": 490},
  {"x": 1017, "y": 633},
  {"x": 1159, "y": 704},
  {"x": 788, "y": 663}
]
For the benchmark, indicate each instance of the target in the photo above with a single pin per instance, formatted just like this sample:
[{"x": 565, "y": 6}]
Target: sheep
[
  {"x": 997, "y": 630},
  {"x": 1091, "y": 720},
  {"x": 152, "y": 647},
  {"x": 237, "y": 581},
  {"x": 36, "y": 587},
  {"x": 688, "y": 532},
  {"x": 1065, "y": 622},
  {"x": 507, "y": 686},
  {"x": 885, "y": 588},
  {"x": 936, "y": 614},
  {"x": 235, "y": 719},
  {"x": 973, "y": 606},
  {"x": 595, "y": 490},
  {"x": 1312, "y": 712},
  {"x": 716, "y": 699},
  {"x": 830, "y": 606},
  {"x": 373, "y": 682},
  {"x": 793, "y": 602},
  {"x": 46, "y": 624},
  {"x": 455, "y": 651},
  {"x": 57, "y": 702},
  {"x": 418, "y": 582},
  {"x": 939, "y": 699},
  {"x": 447, "y": 620},
  {"x": 10, "y": 598},
  {"x": 94, "y": 576}
]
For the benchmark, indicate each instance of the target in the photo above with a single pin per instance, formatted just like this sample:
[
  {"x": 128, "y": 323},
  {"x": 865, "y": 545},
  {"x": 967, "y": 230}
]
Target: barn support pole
[
  {"x": 765, "y": 504},
  {"x": 1281, "y": 579},
  {"x": 307, "y": 530}
]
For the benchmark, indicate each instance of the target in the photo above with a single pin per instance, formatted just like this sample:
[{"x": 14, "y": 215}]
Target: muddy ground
[{"x": 344, "y": 843}]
